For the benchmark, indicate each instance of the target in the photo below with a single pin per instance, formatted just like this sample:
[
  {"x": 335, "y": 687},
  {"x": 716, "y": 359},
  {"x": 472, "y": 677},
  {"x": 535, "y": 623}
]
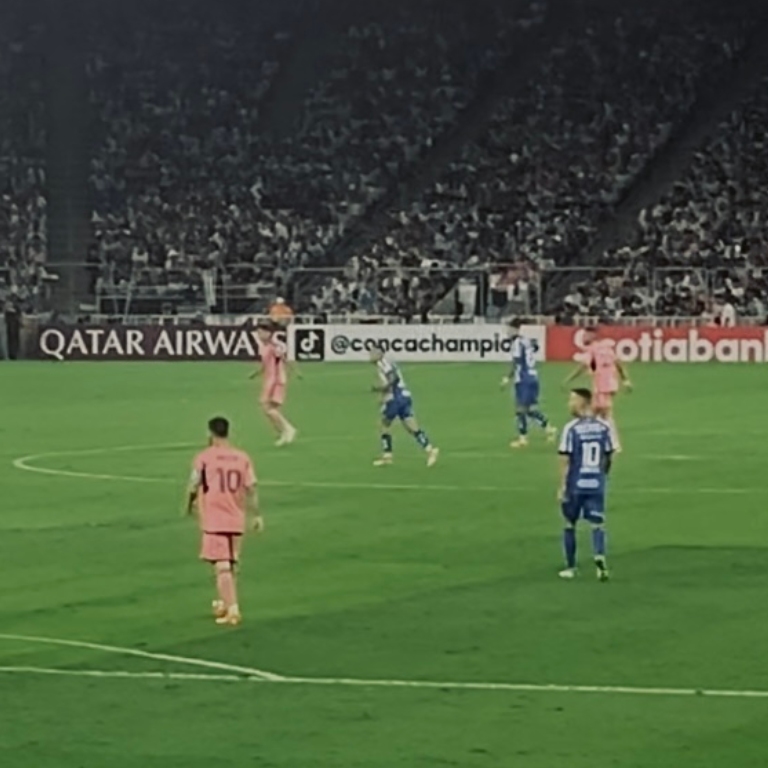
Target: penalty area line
[{"x": 619, "y": 690}]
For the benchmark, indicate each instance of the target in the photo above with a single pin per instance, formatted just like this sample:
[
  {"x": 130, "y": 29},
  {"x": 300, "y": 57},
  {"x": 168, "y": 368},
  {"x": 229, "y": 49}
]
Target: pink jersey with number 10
[
  {"x": 224, "y": 476},
  {"x": 601, "y": 362}
]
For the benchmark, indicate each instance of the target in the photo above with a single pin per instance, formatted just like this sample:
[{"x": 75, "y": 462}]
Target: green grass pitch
[{"x": 404, "y": 573}]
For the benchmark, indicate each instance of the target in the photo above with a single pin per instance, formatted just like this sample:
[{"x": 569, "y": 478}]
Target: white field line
[
  {"x": 122, "y": 674},
  {"x": 25, "y": 463},
  {"x": 184, "y": 660},
  {"x": 342, "y": 682}
]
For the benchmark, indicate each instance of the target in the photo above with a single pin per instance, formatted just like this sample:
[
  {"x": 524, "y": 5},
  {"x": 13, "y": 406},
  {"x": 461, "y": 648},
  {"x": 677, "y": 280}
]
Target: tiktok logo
[{"x": 309, "y": 344}]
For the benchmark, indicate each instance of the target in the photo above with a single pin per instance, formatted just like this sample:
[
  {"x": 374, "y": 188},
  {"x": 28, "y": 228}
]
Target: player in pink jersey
[
  {"x": 608, "y": 375},
  {"x": 274, "y": 369},
  {"x": 223, "y": 490}
]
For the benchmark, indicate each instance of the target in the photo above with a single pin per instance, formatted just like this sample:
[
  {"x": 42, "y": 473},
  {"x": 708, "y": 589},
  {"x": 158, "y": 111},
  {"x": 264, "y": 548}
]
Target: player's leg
[
  {"x": 537, "y": 415},
  {"x": 571, "y": 509},
  {"x": 604, "y": 410},
  {"x": 594, "y": 514},
  {"x": 412, "y": 425},
  {"x": 387, "y": 444},
  {"x": 521, "y": 417},
  {"x": 275, "y": 400},
  {"x": 272, "y": 416},
  {"x": 227, "y": 586},
  {"x": 222, "y": 551},
  {"x": 226, "y": 578}
]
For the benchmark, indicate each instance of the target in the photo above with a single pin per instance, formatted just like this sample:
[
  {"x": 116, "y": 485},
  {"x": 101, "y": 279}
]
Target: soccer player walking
[
  {"x": 397, "y": 403},
  {"x": 223, "y": 490},
  {"x": 274, "y": 368},
  {"x": 586, "y": 448},
  {"x": 606, "y": 370},
  {"x": 525, "y": 376}
]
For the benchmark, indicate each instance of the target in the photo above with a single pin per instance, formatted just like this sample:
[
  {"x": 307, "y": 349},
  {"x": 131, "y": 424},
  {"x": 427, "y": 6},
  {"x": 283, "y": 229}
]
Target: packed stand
[
  {"x": 23, "y": 277},
  {"x": 557, "y": 158},
  {"x": 394, "y": 86},
  {"x": 708, "y": 236},
  {"x": 177, "y": 89},
  {"x": 184, "y": 168}
]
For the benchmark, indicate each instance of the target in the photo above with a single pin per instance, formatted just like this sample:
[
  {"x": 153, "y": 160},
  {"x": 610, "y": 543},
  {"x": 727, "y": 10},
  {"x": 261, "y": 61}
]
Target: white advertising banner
[{"x": 410, "y": 343}]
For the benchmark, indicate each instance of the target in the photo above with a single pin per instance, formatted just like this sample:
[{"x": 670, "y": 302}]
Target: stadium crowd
[
  {"x": 556, "y": 159},
  {"x": 708, "y": 237},
  {"x": 23, "y": 230},
  {"x": 192, "y": 196},
  {"x": 184, "y": 171}
]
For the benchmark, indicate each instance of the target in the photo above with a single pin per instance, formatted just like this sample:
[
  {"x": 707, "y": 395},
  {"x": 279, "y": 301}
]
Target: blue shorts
[
  {"x": 585, "y": 506},
  {"x": 527, "y": 393},
  {"x": 397, "y": 408}
]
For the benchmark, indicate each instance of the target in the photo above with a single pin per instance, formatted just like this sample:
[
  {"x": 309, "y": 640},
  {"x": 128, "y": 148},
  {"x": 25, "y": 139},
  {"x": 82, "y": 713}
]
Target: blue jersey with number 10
[{"x": 588, "y": 444}]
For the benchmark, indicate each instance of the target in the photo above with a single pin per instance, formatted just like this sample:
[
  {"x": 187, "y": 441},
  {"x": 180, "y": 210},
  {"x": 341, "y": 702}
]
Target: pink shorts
[
  {"x": 274, "y": 394},
  {"x": 220, "y": 547},
  {"x": 603, "y": 400}
]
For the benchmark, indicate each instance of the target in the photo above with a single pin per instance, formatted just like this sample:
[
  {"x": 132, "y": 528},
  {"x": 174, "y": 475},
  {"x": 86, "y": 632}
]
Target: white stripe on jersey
[
  {"x": 566, "y": 438},
  {"x": 386, "y": 370}
]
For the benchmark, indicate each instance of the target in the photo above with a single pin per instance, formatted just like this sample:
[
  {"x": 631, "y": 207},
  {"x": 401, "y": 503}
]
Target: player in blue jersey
[
  {"x": 525, "y": 377},
  {"x": 586, "y": 448},
  {"x": 397, "y": 403}
]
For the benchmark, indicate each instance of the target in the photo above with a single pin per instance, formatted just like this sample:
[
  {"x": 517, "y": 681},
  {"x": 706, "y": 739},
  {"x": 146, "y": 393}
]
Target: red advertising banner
[
  {"x": 150, "y": 342},
  {"x": 746, "y": 344}
]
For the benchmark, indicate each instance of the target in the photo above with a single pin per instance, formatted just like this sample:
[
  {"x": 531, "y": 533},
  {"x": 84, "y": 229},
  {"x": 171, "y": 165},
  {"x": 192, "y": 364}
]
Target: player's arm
[
  {"x": 385, "y": 389},
  {"x": 255, "y": 520},
  {"x": 511, "y": 375},
  {"x": 565, "y": 461},
  {"x": 193, "y": 492},
  {"x": 293, "y": 370},
  {"x": 565, "y": 450},
  {"x": 514, "y": 363},
  {"x": 580, "y": 371}
]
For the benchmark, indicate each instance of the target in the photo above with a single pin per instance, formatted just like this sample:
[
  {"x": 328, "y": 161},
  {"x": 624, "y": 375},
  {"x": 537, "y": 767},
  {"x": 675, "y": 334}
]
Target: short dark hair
[
  {"x": 584, "y": 394},
  {"x": 219, "y": 427},
  {"x": 591, "y": 329},
  {"x": 265, "y": 325},
  {"x": 515, "y": 322}
]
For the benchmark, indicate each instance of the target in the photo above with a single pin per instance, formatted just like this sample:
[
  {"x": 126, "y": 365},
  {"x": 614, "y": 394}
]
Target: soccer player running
[
  {"x": 223, "y": 490},
  {"x": 606, "y": 371},
  {"x": 274, "y": 369},
  {"x": 397, "y": 404},
  {"x": 586, "y": 448},
  {"x": 526, "y": 383}
]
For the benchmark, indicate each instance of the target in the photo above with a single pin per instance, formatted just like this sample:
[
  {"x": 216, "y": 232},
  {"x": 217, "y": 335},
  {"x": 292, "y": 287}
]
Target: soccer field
[{"x": 397, "y": 575}]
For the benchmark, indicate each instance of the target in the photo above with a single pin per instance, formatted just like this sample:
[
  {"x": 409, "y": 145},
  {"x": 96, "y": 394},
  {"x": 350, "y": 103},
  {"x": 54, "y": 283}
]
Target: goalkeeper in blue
[
  {"x": 586, "y": 449},
  {"x": 397, "y": 404},
  {"x": 525, "y": 378}
]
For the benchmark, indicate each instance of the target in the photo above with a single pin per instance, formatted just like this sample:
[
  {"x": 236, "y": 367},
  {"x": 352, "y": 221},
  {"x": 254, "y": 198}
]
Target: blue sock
[
  {"x": 539, "y": 418},
  {"x": 522, "y": 424},
  {"x": 421, "y": 438},
  {"x": 386, "y": 443},
  {"x": 598, "y": 542},
  {"x": 569, "y": 545}
]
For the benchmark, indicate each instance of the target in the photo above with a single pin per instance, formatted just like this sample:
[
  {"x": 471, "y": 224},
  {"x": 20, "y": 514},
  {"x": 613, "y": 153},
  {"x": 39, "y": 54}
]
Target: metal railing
[
  {"x": 372, "y": 291},
  {"x": 459, "y": 292}
]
